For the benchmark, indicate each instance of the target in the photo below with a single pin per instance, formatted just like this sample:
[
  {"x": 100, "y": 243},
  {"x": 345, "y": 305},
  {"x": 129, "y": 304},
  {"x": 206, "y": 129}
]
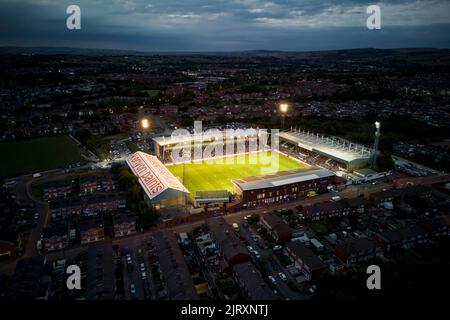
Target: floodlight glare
[
  {"x": 283, "y": 107},
  {"x": 145, "y": 123}
]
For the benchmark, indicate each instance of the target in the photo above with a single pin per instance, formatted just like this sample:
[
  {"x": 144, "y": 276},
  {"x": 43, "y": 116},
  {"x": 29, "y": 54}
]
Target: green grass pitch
[
  {"x": 216, "y": 174},
  {"x": 37, "y": 154}
]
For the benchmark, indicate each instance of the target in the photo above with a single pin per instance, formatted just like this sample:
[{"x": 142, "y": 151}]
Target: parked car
[
  {"x": 277, "y": 247},
  {"x": 282, "y": 276},
  {"x": 132, "y": 288},
  {"x": 272, "y": 280}
]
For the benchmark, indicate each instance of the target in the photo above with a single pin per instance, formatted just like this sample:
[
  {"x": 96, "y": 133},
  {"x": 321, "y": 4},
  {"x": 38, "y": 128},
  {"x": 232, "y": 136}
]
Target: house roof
[
  {"x": 322, "y": 207},
  {"x": 358, "y": 245},
  {"x": 401, "y": 234},
  {"x": 356, "y": 202},
  {"x": 437, "y": 223},
  {"x": 100, "y": 266},
  {"x": 224, "y": 236},
  {"x": 397, "y": 193},
  {"x": 89, "y": 223},
  {"x": 306, "y": 255},
  {"x": 124, "y": 217},
  {"x": 59, "y": 231},
  {"x": 179, "y": 284},
  {"x": 253, "y": 282},
  {"x": 276, "y": 223}
]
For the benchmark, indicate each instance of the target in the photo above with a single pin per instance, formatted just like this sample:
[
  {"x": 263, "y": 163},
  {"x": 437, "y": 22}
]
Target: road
[
  {"x": 25, "y": 196},
  {"x": 133, "y": 275},
  {"x": 351, "y": 192},
  {"x": 272, "y": 266}
]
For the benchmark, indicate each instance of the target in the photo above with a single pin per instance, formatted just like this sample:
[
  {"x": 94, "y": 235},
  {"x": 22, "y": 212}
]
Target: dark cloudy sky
[{"x": 225, "y": 25}]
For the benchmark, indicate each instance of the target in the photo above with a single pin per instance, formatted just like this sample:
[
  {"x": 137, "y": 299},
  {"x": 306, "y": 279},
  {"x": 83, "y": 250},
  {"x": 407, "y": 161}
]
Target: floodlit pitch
[{"x": 208, "y": 175}]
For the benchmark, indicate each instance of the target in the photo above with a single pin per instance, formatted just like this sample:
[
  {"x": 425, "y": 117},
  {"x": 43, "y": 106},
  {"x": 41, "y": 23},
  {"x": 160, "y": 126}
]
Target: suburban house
[
  {"x": 276, "y": 226},
  {"x": 305, "y": 259},
  {"x": 358, "y": 250}
]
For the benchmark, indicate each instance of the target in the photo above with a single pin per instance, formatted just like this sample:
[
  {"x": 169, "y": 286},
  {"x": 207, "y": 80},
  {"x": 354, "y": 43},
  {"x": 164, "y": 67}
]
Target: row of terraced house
[
  {"x": 84, "y": 185},
  {"x": 88, "y": 206},
  {"x": 88, "y": 230}
]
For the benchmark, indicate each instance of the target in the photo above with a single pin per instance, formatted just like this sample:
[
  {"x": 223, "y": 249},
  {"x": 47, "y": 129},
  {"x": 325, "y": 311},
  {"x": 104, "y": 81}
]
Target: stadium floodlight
[
  {"x": 284, "y": 107},
  {"x": 145, "y": 124},
  {"x": 373, "y": 161}
]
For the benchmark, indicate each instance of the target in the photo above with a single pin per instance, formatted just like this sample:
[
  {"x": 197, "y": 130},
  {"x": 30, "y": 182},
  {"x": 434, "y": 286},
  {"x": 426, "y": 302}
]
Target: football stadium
[
  {"x": 239, "y": 174},
  {"x": 217, "y": 174}
]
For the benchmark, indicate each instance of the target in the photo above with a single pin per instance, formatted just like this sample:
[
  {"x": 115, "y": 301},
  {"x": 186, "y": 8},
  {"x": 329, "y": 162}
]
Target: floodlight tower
[
  {"x": 145, "y": 128},
  {"x": 373, "y": 161},
  {"x": 283, "y": 110},
  {"x": 145, "y": 124}
]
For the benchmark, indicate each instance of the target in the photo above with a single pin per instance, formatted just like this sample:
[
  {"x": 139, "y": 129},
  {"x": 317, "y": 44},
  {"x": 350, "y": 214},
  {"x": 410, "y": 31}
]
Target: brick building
[
  {"x": 276, "y": 226},
  {"x": 267, "y": 189}
]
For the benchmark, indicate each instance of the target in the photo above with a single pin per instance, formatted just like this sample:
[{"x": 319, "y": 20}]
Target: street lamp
[{"x": 283, "y": 110}]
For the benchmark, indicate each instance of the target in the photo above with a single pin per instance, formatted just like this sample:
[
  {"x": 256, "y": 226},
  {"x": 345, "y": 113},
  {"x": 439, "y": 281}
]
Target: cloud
[{"x": 182, "y": 25}]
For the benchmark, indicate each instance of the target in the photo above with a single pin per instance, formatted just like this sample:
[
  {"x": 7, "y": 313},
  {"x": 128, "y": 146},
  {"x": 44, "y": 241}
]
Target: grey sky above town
[{"x": 225, "y": 25}]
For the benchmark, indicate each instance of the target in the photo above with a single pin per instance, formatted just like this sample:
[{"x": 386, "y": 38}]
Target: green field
[
  {"x": 217, "y": 174},
  {"x": 151, "y": 92},
  {"x": 37, "y": 154}
]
